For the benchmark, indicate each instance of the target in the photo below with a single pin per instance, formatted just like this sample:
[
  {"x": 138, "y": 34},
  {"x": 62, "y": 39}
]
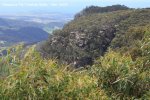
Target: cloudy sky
[{"x": 62, "y": 6}]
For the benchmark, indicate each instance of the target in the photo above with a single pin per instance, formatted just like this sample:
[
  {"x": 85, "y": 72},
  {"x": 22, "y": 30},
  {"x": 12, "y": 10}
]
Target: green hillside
[
  {"x": 92, "y": 35},
  {"x": 97, "y": 56}
]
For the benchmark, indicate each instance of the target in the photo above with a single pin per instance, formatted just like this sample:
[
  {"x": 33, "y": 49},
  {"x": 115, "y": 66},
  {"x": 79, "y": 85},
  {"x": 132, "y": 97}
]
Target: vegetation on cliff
[{"x": 90, "y": 36}]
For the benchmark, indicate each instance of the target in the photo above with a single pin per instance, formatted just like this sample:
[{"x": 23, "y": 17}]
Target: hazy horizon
[{"x": 62, "y": 6}]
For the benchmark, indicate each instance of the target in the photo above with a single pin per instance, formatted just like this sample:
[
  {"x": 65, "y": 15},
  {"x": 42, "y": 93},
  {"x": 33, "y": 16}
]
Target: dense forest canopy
[{"x": 97, "y": 9}]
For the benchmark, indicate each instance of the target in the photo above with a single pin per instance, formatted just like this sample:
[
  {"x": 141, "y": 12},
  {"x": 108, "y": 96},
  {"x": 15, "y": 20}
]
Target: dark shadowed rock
[{"x": 84, "y": 61}]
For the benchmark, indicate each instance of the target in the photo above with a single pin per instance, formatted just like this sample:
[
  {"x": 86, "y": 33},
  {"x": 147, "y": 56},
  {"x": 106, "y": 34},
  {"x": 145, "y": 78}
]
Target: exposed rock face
[
  {"x": 80, "y": 39},
  {"x": 83, "y": 62}
]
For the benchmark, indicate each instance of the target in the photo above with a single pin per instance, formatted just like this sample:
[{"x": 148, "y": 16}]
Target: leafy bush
[
  {"x": 37, "y": 78},
  {"x": 10, "y": 60},
  {"x": 119, "y": 73}
]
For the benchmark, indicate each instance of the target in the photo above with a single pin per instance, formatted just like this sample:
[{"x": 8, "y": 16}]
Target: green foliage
[
  {"x": 37, "y": 78},
  {"x": 10, "y": 61},
  {"x": 121, "y": 76},
  {"x": 126, "y": 74}
]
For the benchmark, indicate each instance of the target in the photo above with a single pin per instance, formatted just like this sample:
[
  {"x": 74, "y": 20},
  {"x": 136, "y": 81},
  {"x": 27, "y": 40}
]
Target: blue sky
[{"x": 62, "y": 6}]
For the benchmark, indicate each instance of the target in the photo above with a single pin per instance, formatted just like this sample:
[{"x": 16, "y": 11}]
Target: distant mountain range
[
  {"x": 15, "y": 31},
  {"x": 26, "y": 34},
  {"x": 42, "y": 20},
  {"x": 28, "y": 28}
]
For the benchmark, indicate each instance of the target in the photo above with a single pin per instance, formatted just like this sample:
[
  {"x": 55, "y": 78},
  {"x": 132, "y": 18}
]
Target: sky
[{"x": 62, "y": 6}]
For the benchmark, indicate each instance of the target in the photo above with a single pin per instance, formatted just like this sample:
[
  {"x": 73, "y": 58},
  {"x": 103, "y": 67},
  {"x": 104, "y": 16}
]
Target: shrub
[
  {"x": 37, "y": 78},
  {"x": 118, "y": 74}
]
